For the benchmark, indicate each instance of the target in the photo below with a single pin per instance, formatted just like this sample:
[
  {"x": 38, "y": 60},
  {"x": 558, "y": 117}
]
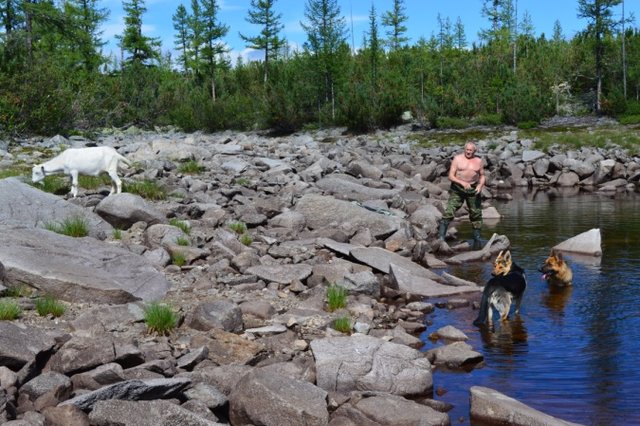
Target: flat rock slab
[
  {"x": 407, "y": 282},
  {"x": 25, "y": 206},
  {"x": 493, "y": 407},
  {"x": 131, "y": 390},
  {"x": 21, "y": 344},
  {"x": 347, "y": 189},
  {"x": 381, "y": 260},
  {"x": 322, "y": 211},
  {"x": 283, "y": 274},
  {"x": 78, "y": 269},
  {"x": 586, "y": 243}
]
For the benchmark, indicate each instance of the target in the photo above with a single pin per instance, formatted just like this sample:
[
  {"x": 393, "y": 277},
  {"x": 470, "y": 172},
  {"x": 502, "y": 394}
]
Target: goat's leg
[
  {"x": 74, "y": 182},
  {"x": 116, "y": 183}
]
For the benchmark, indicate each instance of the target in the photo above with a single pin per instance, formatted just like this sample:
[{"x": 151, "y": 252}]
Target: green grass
[
  {"x": 238, "y": 227},
  {"x": 242, "y": 181},
  {"x": 190, "y": 167},
  {"x": 76, "y": 226},
  {"x": 160, "y": 318},
  {"x": 184, "y": 226},
  {"x": 18, "y": 291},
  {"x": 117, "y": 234},
  {"x": 179, "y": 259},
  {"x": 15, "y": 171},
  {"x": 49, "y": 305},
  {"x": 94, "y": 182},
  {"x": 583, "y": 137},
  {"x": 336, "y": 297},
  {"x": 148, "y": 189},
  {"x": 182, "y": 241},
  {"x": 342, "y": 324},
  {"x": 9, "y": 310},
  {"x": 246, "y": 239},
  {"x": 54, "y": 184},
  {"x": 629, "y": 119}
]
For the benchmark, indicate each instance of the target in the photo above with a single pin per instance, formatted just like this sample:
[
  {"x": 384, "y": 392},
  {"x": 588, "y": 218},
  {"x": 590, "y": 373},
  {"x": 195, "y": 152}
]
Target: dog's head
[
  {"x": 502, "y": 264},
  {"x": 555, "y": 268}
]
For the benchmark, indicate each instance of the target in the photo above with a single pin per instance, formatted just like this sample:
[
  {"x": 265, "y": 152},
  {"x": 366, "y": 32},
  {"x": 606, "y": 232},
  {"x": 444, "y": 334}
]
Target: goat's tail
[{"x": 124, "y": 159}]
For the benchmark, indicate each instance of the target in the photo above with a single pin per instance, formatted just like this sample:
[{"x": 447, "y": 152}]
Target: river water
[{"x": 573, "y": 354}]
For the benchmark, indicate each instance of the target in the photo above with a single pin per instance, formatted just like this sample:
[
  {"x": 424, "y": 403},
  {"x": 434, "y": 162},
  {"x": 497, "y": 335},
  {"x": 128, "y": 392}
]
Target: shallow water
[{"x": 573, "y": 354}]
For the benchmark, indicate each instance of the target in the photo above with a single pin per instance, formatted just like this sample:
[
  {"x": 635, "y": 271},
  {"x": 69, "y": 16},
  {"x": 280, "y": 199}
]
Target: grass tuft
[
  {"x": 117, "y": 234},
  {"x": 49, "y": 305},
  {"x": 179, "y": 259},
  {"x": 184, "y": 226},
  {"x": 242, "y": 181},
  {"x": 181, "y": 241},
  {"x": 148, "y": 189},
  {"x": 336, "y": 297},
  {"x": 342, "y": 324},
  {"x": 238, "y": 227},
  {"x": 76, "y": 226},
  {"x": 9, "y": 310},
  {"x": 246, "y": 239},
  {"x": 190, "y": 167},
  {"x": 160, "y": 318}
]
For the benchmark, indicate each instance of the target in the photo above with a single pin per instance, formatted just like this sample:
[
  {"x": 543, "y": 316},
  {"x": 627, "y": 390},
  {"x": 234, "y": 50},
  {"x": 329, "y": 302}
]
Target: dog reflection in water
[
  {"x": 506, "y": 337},
  {"x": 507, "y": 285}
]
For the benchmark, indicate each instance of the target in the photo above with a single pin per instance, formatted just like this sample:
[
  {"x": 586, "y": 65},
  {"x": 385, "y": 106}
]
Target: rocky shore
[{"x": 268, "y": 224}]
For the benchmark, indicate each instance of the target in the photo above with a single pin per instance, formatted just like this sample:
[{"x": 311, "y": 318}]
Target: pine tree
[
  {"x": 141, "y": 49},
  {"x": 181, "y": 25},
  {"x": 261, "y": 13},
  {"x": 395, "y": 19},
  {"x": 374, "y": 45},
  {"x": 85, "y": 19},
  {"x": 212, "y": 46},
  {"x": 601, "y": 23}
]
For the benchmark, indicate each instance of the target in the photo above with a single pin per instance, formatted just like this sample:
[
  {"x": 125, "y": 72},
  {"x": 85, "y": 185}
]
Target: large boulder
[
  {"x": 25, "y": 206},
  {"x": 124, "y": 209},
  {"x": 588, "y": 242},
  {"x": 77, "y": 269},
  {"x": 345, "y": 364}
]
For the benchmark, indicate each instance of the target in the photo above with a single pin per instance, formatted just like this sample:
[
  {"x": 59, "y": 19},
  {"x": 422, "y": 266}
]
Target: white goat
[{"x": 83, "y": 161}]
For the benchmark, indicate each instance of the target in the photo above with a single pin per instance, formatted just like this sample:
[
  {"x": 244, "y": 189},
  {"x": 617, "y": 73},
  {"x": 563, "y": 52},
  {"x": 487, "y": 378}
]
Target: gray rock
[
  {"x": 268, "y": 398},
  {"x": 488, "y": 405},
  {"x": 21, "y": 344},
  {"x": 345, "y": 364},
  {"x": 144, "y": 413},
  {"x": 405, "y": 281},
  {"x": 78, "y": 269},
  {"x": 131, "y": 390},
  {"x": 222, "y": 314},
  {"x": 124, "y": 209},
  {"x": 25, "y": 206},
  {"x": 589, "y": 242},
  {"x": 455, "y": 355},
  {"x": 283, "y": 274}
]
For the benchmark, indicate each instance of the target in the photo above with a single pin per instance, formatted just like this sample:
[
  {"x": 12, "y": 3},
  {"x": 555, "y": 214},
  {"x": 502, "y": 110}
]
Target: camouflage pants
[{"x": 457, "y": 196}]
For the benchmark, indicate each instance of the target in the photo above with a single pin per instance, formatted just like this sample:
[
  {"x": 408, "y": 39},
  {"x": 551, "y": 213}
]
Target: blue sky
[{"x": 422, "y": 22}]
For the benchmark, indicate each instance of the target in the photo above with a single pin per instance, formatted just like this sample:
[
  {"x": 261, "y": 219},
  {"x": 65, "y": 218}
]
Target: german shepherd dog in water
[
  {"x": 556, "y": 271},
  {"x": 507, "y": 284}
]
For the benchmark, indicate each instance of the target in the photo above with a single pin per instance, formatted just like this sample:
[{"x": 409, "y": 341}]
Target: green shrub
[
  {"x": 451, "y": 123},
  {"x": 246, "y": 239},
  {"x": 488, "y": 120},
  {"x": 526, "y": 125},
  {"x": 148, "y": 189},
  {"x": 336, "y": 297},
  {"x": 184, "y": 226},
  {"x": 238, "y": 227},
  {"x": 49, "y": 305},
  {"x": 342, "y": 324},
  {"x": 76, "y": 226},
  {"x": 9, "y": 310},
  {"x": 629, "y": 119},
  {"x": 190, "y": 167},
  {"x": 160, "y": 318}
]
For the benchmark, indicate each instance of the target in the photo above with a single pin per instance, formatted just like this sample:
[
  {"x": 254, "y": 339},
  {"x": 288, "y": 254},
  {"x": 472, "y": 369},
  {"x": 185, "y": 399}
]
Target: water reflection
[
  {"x": 506, "y": 337},
  {"x": 556, "y": 298}
]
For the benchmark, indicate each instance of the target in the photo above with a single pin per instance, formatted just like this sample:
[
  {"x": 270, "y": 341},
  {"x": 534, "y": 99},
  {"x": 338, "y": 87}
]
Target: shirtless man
[{"x": 467, "y": 180}]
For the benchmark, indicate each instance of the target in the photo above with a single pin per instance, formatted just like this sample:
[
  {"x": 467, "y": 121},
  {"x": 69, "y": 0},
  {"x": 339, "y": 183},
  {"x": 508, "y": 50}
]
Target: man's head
[{"x": 470, "y": 149}]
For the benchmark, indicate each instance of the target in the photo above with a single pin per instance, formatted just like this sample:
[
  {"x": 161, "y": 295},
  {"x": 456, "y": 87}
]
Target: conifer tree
[
  {"x": 181, "y": 25},
  {"x": 141, "y": 49},
  {"x": 395, "y": 19},
  {"x": 212, "y": 46},
  {"x": 269, "y": 41}
]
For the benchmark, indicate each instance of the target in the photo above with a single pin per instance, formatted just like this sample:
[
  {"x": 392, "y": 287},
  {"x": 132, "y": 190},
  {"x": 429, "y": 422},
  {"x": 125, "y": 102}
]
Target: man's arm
[{"x": 482, "y": 179}]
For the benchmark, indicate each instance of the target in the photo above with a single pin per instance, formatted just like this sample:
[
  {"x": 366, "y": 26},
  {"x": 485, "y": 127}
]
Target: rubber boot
[
  {"x": 477, "y": 243},
  {"x": 442, "y": 229},
  {"x": 443, "y": 247}
]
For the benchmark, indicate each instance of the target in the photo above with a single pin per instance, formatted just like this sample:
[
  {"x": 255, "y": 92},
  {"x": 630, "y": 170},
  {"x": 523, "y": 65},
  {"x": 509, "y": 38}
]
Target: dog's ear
[
  {"x": 558, "y": 256},
  {"x": 507, "y": 256},
  {"x": 500, "y": 255}
]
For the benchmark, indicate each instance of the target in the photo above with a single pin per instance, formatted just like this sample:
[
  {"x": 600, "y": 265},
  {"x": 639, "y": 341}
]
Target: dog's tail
[{"x": 484, "y": 307}]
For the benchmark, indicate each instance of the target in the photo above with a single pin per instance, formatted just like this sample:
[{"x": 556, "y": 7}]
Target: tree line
[{"x": 54, "y": 77}]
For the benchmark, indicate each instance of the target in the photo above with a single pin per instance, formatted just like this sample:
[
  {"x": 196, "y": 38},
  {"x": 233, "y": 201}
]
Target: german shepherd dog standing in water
[
  {"x": 556, "y": 271},
  {"x": 507, "y": 284}
]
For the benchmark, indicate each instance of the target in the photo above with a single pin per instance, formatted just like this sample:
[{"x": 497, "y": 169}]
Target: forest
[{"x": 55, "y": 78}]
